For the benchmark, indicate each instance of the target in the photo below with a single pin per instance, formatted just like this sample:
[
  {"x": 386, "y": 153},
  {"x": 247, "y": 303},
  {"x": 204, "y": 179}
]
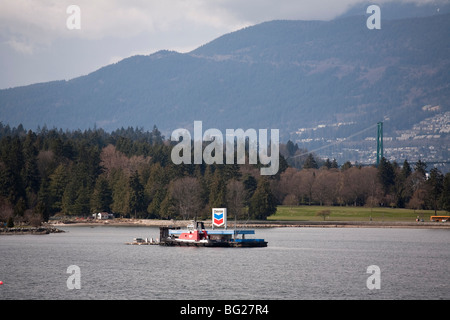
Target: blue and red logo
[{"x": 219, "y": 217}]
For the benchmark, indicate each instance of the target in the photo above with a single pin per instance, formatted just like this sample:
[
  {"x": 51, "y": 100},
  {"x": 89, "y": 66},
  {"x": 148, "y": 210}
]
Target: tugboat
[{"x": 196, "y": 235}]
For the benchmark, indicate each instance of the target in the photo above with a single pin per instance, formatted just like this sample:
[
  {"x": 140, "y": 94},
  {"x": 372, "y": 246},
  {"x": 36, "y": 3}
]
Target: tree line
[
  {"x": 388, "y": 185},
  {"x": 129, "y": 172}
]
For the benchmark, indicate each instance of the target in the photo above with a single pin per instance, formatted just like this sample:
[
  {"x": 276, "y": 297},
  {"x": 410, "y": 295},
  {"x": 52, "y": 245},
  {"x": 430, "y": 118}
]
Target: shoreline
[
  {"x": 30, "y": 230},
  {"x": 54, "y": 227},
  {"x": 261, "y": 224}
]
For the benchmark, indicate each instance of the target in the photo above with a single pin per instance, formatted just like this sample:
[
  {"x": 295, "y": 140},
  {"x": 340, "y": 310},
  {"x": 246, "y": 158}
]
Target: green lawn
[{"x": 308, "y": 213}]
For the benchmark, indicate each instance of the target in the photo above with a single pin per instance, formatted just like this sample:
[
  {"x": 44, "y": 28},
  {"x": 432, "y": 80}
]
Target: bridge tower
[{"x": 379, "y": 142}]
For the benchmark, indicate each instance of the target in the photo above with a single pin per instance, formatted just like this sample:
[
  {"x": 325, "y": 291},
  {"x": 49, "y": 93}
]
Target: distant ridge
[{"x": 277, "y": 74}]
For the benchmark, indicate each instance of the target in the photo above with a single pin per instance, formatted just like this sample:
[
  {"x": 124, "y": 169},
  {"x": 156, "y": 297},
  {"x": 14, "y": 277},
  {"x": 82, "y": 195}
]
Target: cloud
[
  {"x": 20, "y": 46},
  {"x": 26, "y": 24},
  {"x": 34, "y": 33},
  {"x": 256, "y": 11}
]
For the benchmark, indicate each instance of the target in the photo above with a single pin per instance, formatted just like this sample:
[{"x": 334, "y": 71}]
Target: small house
[{"x": 104, "y": 216}]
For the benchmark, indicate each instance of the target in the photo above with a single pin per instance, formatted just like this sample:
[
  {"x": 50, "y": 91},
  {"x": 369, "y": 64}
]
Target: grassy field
[{"x": 309, "y": 213}]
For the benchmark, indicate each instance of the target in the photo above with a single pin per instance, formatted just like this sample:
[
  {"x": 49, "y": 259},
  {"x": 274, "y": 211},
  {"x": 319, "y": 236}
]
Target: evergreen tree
[
  {"x": 156, "y": 137},
  {"x": 154, "y": 207},
  {"x": 218, "y": 191},
  {"x": 82, "y": 203},
  {"x": 230, "y": 171},
  {"x": 282, "y": 166},
  {"x": 291, "y": 148},
  {"x": 310, "y": 162},
  {"x": 30, "y": 173},
  {"x": 347, "y": 165},
  {"x": 120, "y": 192},
  {"x": 88, "y": 165},
  {"x": 250, "y": 185},
  {"x": 403, "y": 187},
  {"x": 20, "y": 207},
  {"x": 57, "y": 186},
  {"x": 445, "y": 200},
  {"x": 155, "y": 189},
  {"x": 168, "y": 207},
  {"x": 11, "y": 182},
  {"x": 263, "y": 202},
  {"x": 421, "y": 168},
  {"x": 102, "y": 196},
  {"x": 436, "y": 184},
  {"x": 136, "y": 201},
  {"x": 43, "y": 205},
  {"x": 406, "y": 170},
  {"x": 334, "y": 164},
  {"x": 56, "y": 145},
  {"x": 386, "y": 175},
  {"x": 235, "y": 197},
  {"x": 69, "y": 198}
]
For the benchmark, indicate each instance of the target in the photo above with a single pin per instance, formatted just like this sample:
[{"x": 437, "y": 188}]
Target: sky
[{"x": 36, "y": 44}]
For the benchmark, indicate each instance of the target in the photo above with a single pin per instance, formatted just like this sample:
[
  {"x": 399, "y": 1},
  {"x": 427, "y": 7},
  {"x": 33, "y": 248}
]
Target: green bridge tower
[{"x": 380, "y": 142}]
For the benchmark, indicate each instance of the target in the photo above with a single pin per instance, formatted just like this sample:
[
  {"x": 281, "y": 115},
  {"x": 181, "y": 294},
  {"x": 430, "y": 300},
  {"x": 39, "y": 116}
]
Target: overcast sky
[{"x": 37, "y": 46}]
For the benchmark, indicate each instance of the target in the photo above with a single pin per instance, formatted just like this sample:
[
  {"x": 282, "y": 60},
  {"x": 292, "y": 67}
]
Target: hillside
[{"x": 278, "y": 74}]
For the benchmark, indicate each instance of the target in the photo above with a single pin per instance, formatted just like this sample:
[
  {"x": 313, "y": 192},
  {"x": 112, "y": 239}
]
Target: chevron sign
[{"x": 219, "y": 217}]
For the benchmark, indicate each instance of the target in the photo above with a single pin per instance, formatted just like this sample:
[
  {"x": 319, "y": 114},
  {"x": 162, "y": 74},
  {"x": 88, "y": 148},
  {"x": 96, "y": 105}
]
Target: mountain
[
  {"x": 278, "y": 74},
  {"x": 394, "y": 10}
]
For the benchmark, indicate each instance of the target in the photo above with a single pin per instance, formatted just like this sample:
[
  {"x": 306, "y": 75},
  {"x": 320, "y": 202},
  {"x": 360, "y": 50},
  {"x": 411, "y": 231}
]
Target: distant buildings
[{"x": 427, "y": 140}]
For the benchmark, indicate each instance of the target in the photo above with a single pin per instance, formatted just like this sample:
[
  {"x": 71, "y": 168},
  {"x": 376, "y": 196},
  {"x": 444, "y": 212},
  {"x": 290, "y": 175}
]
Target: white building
[{"x": 103, "y": 216}]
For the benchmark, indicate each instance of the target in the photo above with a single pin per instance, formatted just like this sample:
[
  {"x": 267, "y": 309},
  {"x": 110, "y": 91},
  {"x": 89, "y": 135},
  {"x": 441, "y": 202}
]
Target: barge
[
  {"x": 196, "y": 235},
  {"x": 141, "y": 242}
]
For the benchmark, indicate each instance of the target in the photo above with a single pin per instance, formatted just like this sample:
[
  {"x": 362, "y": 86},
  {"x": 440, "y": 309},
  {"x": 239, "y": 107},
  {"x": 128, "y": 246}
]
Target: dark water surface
[{"x": 299, "y": 263}]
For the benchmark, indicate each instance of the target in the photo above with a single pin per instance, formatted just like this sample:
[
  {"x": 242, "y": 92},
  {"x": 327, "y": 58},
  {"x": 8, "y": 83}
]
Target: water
[{"x": 299, "y": 263}]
